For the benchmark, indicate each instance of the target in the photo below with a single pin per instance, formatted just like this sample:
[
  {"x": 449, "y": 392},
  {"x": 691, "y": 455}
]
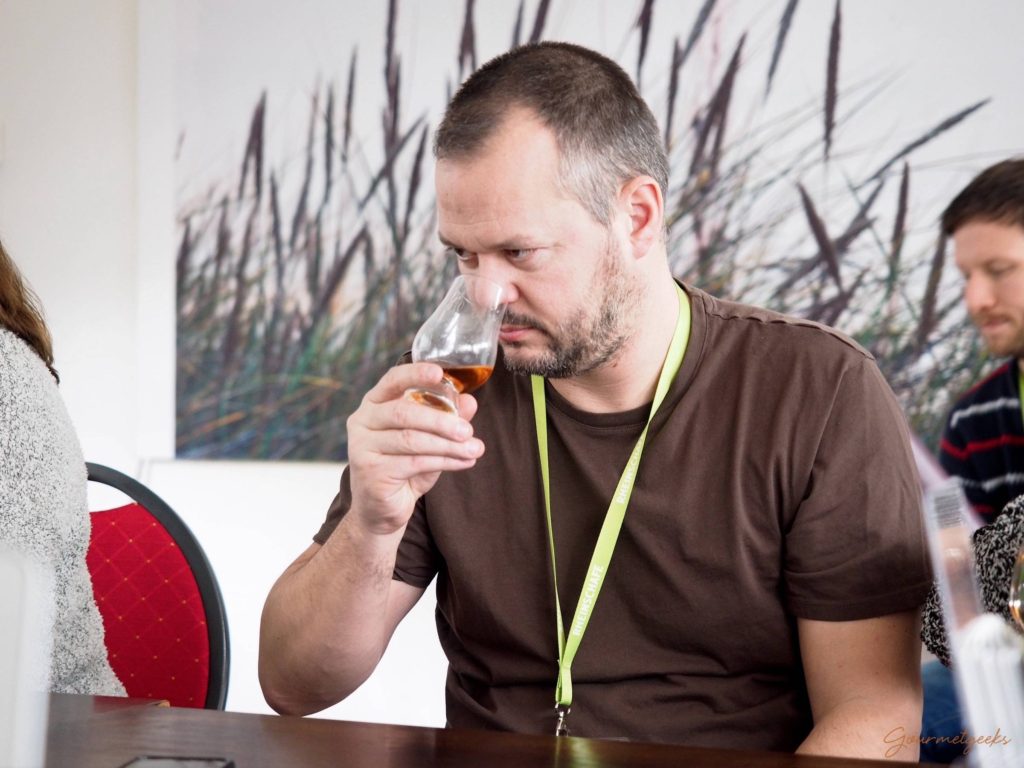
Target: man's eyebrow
[{"x": 513, "y": 243}]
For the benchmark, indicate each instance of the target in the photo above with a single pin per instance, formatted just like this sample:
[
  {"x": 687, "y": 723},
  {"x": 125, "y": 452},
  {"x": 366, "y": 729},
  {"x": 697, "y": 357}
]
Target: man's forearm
[
  {"x": 866, "y": 728},
  {"x": 325, "y": 623}
]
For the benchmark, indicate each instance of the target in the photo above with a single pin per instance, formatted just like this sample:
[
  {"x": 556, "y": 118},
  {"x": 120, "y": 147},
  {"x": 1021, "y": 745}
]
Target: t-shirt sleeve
[
  {"x": 856, "y": 547},
  {"x": 417, "y": 560}
]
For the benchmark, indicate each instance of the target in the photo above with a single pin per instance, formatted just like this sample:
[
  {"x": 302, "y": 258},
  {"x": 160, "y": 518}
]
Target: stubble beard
[
  {"x": 1014, "y": 347},
  {"x": 585, "y": 341},
  {"x": 1004, "y": 346}
]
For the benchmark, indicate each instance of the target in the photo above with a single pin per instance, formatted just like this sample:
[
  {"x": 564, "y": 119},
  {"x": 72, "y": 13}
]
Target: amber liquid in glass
[{"x": 465, "y": 378}]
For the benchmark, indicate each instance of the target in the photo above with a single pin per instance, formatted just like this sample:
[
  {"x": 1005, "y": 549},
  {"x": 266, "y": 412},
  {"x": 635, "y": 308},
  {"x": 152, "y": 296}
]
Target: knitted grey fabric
[
  {"x": 44, "y": 514},
  {"x": 995, "y": 551}
]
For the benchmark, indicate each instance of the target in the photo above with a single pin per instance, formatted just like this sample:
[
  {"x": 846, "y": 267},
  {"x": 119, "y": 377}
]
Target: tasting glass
[{"x": 462, "y": 337}]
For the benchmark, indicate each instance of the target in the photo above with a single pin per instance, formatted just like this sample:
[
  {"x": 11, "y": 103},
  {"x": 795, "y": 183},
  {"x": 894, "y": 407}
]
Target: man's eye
[
  {"x": 1000, "y": 269},
  {"x": 519, "y": 254},
  {"x": 458, "y": 253}
]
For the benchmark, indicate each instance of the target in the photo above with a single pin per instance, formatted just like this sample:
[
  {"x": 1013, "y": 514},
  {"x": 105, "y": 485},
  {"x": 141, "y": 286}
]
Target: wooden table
[{"x": 99, "y": 732}]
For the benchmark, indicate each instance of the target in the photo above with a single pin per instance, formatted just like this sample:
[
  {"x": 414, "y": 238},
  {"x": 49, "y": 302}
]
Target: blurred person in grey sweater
[{"x": 43, "y": 508}]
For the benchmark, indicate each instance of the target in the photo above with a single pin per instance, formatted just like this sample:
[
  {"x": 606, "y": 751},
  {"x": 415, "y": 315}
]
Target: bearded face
[
  {"x": 990, "y": 256},
  {"x": 588, "y": 335}
]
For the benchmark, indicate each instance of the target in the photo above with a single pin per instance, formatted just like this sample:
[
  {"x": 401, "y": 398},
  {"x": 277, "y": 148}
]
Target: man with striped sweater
[{"x": 983, "y": 443}]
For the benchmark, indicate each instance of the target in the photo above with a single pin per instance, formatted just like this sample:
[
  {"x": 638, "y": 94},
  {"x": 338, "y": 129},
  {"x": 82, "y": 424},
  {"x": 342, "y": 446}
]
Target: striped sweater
[{"x": 983, "y": 443}]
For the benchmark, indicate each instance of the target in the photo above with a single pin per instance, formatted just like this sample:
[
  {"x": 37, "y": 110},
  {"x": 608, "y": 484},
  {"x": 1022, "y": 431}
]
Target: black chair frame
[{"x": 209, "y": 590}]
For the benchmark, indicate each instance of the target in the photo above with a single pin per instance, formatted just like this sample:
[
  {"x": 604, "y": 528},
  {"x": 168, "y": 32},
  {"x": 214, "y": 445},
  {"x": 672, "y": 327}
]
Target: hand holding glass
[{"x": 462, "y": 337}]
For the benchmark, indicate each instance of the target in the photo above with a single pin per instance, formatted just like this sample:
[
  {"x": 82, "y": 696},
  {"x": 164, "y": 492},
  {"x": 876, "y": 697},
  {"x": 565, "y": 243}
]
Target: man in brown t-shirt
[{"x": 764, "y": 586}]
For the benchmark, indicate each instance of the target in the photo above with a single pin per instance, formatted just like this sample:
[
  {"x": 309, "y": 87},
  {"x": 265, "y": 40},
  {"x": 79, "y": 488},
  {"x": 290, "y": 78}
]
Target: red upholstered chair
[{"x": 166, "y": 628}]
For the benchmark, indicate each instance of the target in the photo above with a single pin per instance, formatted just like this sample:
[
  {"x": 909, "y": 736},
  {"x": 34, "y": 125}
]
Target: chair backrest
[{"x": 163, "y": 614}]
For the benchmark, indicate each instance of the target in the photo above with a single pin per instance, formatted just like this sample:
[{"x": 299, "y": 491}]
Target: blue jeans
[{"x": 941, "y": 715}]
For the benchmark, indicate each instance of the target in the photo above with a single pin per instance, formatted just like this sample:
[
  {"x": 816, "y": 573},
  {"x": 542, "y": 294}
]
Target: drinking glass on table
[
  {"x": 462, "y": 337},
  {"x": 1017, "y": 590}
]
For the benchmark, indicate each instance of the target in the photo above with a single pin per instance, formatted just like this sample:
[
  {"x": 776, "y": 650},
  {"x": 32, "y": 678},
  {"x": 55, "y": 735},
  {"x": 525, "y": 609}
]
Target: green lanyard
[
  {"x": 616, "y": 513},
  {"x": 1020, "y": 384}
]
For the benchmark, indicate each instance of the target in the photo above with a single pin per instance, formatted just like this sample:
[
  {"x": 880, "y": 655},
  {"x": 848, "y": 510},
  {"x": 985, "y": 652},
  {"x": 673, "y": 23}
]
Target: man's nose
[
  {"x": 497, "y": 270},
  {"x": 978, "y": 294}
]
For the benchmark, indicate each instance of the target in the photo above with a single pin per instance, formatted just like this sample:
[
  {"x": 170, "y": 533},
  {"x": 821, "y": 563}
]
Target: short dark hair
[
  {"x": 996, "y": 194},
  {"x": 606, "y": 133}
]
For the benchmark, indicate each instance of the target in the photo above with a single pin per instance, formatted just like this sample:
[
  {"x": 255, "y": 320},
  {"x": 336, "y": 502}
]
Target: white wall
[
  {"x": 67, "y": 198},
  {"x": 80, "y": 173}
]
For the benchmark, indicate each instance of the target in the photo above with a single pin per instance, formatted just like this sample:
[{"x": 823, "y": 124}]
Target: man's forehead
[
  {"x": 989, "y": 231},
  {"x": 982, "y": 240}
]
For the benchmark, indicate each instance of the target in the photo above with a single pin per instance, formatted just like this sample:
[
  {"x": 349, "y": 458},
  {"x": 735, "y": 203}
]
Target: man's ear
[{"x": 642, "y": 201}]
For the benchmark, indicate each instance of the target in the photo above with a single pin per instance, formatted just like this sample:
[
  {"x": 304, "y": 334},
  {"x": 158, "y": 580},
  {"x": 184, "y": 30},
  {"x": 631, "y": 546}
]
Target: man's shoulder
[{"x": 769, "y": 326}]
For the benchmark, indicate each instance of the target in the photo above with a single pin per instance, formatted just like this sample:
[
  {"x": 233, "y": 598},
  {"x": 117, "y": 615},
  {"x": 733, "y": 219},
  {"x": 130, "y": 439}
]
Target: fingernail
[{"x": 464, "y": 430}]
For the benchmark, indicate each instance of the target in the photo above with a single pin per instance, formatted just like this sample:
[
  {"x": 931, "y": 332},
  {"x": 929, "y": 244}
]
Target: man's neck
[{"x": 629, "y": 379}]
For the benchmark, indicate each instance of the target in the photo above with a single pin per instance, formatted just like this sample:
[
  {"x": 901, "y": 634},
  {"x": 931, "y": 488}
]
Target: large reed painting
[{"x": 306, "y": 263}]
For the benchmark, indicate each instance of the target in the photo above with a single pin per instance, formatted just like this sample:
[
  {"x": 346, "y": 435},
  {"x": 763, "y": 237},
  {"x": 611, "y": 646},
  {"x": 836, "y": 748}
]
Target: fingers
[
  {"x": 402, "y": 377},
  {"x": 397, "y": 426},
  {"x": 400, "y": 468},
  {"x": 404, "y": 414},
  {"x": 467, "y": 406},
  {"x": 398, "y": 448},
  {"x": 403, "y": 428},
  {"x": 397, "y": 380}
]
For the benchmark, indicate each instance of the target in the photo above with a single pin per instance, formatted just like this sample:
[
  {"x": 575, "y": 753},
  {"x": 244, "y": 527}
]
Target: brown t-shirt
[{"x": 776, "y": 483}]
